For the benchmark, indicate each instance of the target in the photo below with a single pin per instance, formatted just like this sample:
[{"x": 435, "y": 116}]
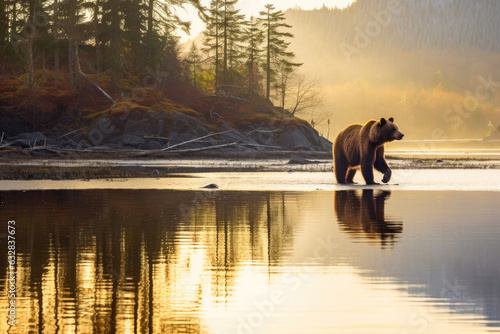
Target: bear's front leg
[
  {"x": 387, "y": 175},
  {"x": 381, "y": 165},
  {"x": 367, "y": 171}
]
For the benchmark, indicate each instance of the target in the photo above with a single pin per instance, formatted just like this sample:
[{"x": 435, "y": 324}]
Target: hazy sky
[{"x": 252, "y": 7}]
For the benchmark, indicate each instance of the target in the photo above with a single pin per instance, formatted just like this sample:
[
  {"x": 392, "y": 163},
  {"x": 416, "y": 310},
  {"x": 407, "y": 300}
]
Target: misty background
[{"x": 433, "y": 65}]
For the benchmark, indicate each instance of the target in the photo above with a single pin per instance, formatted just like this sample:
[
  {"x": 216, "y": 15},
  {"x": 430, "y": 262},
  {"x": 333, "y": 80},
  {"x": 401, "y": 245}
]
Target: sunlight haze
[{"x": 252, "y": 7}]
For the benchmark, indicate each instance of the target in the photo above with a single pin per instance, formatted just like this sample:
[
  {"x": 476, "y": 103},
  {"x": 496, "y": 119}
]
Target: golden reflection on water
[
  {"x": 122, "y": 261},
  {"x": 102, "y": 263}
]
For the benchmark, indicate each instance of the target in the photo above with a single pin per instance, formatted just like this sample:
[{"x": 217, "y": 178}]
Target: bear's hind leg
[{"x": 350, "y": 175}]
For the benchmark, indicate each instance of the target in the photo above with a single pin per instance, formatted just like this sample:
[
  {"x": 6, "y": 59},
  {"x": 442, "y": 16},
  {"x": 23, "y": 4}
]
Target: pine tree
[
  {"x": 277, "y": 56},
  {"x": 133, "y": 32},
  {"x": 4, "y": 25},
  {"x": 98, "y": 30},
  {"x": 55, "y": 36},
  {"x": 112, "y": 19},
  {"x": 212, "y": 42},
  {"x": 159, "y": 40},
  {"x": 70, "y": 16},
  {"x": 223, "y": 36},
  {"x": 193, "y": 61},
  {"x": 253, "y": 54},
  {"x": 231, "y": 32},
  {"x": 27, "y": 29},
  {"x": 66, "y": 28}
]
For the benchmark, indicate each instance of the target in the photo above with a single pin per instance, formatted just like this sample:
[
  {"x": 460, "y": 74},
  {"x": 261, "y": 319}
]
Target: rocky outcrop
[
  {"x": 144, "y": 118},
  {"x": 151, "y": 130},
  {"x": 304, "y": 138}
]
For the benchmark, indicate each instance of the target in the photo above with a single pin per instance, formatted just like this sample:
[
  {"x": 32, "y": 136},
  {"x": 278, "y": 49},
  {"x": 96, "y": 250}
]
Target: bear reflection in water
[{"x": 362, "y": 215}]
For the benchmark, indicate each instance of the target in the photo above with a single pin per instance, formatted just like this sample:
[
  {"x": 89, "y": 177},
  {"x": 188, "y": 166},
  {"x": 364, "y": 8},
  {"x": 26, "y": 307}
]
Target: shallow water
[
  {"x": 402, "y": 179},
  {"x": 168, "y": 261}
]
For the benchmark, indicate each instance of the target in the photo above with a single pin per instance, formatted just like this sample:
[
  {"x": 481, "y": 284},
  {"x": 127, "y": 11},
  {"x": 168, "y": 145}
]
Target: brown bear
[{"x": 363, "y": 145}]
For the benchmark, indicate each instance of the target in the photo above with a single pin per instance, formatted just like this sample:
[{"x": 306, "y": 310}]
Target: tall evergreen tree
[
  {"x": 161, "y": 21},
  {"x": 254, "y": 37},
  {"x": 193, "y": 61},
  {"x": 276, "y": 45},
  {"x": 231, "y": 32},
  {"x": 29, "y": 25},
  {"x": 112, "y": 19},
  {"x": 223, "y": 36},
  {"x": 4, "y": 25},
  {"x": 98, "y": 30},
  {"x": 55, "y": 37},
  {"x": 133, "y": 32},
  {"x": 212, "y": 43},
  {"x": 70, "y": 17}
]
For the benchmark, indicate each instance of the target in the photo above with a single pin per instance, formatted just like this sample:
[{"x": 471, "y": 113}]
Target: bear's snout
[{"x": 398, "y": 135}]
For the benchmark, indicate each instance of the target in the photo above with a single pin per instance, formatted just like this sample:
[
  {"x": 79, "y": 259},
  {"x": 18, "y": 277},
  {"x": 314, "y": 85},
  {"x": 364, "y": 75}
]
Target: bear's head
[{"x": 384, "y": 131}]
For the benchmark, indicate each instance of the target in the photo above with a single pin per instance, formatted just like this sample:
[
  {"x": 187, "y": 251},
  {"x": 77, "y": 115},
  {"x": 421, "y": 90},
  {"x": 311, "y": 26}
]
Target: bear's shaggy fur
[{"x": 363, "y": 145}]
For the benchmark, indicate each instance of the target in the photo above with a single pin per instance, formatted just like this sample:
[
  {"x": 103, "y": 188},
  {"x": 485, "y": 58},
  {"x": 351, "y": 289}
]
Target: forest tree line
[
  {"x": 247, "y": 57},
  {"x": 124, "y": 37}
]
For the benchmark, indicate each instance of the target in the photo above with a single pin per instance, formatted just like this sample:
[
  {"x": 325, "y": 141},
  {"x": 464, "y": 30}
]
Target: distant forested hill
[{"x": 407, "y": 49}]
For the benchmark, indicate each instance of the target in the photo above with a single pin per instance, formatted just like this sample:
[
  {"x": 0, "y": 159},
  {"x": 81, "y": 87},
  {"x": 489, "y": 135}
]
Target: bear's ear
[
  {"x": 382, "y": 121},
  {"x": 391, "y": 119}
]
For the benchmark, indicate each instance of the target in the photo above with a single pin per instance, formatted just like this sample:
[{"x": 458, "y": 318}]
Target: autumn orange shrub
[{"x": 44, "y": 105}]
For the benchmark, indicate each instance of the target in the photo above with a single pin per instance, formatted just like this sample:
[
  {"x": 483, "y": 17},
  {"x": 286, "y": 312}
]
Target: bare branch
[
  {"x": 214, "y": 147},
  {"x": 99, "y": 88}
]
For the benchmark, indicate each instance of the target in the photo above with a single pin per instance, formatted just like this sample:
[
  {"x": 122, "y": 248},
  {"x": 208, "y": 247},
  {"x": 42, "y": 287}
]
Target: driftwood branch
[
  {"x": 155, "y": 137},
  {"x": 194, "y": 140},
  {"x": 69, "y": 133},
  {"x": 208, "y": 148},
  {"x": 99, "y": 88},
  {"x": 103, "y": 93},
  {"x": 214, "y": 147}
]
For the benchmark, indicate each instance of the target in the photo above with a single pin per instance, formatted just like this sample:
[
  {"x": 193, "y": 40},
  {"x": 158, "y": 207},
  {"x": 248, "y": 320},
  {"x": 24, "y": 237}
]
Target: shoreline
[{"x": 90, "y": 167}]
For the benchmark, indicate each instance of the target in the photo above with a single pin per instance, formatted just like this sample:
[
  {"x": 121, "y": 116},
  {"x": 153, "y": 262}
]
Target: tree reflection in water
[{"x": 134, "y": 261}]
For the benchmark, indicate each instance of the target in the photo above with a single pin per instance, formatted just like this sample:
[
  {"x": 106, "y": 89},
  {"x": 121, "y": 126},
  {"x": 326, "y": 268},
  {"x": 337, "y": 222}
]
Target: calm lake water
[{"x": 165, "y": 261}]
